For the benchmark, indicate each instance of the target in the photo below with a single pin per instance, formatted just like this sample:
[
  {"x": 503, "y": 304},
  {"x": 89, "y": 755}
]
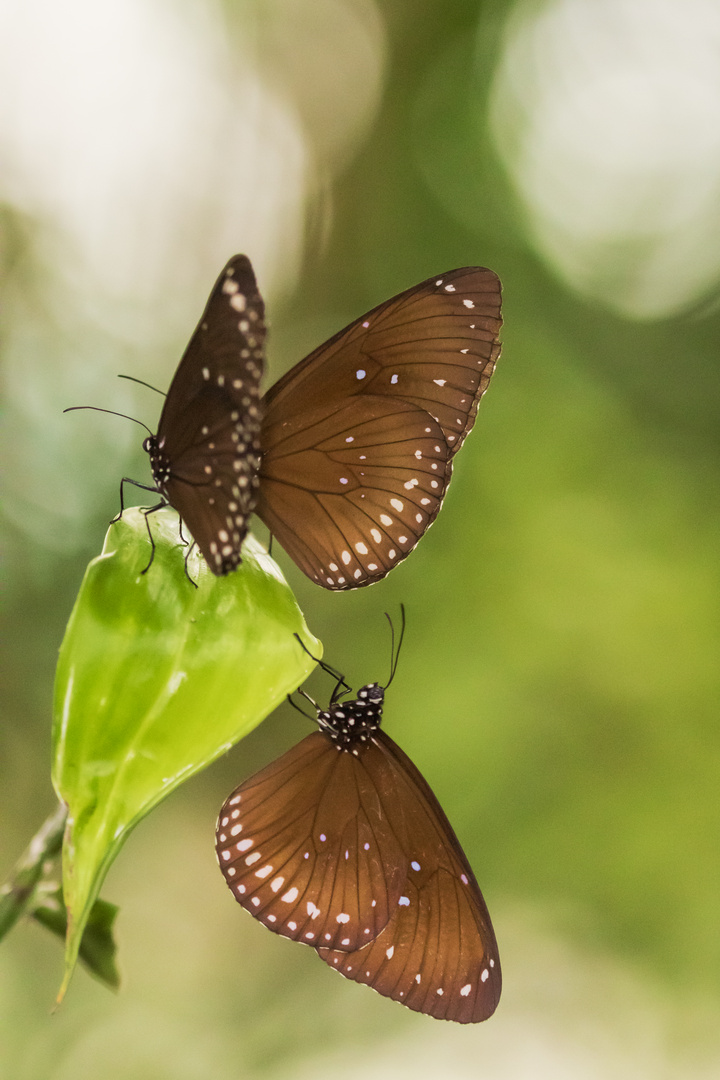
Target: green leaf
[
  {"x": 156, "y": 679},
  {"x": 97, "y": 948}
]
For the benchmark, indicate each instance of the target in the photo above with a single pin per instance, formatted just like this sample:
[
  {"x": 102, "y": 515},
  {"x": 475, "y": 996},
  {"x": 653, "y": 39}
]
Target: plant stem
[{"x": 18, "y": 890}]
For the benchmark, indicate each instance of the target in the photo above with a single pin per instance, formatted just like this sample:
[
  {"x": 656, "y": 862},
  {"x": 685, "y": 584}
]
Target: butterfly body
[{"x": 342, "y": 845}]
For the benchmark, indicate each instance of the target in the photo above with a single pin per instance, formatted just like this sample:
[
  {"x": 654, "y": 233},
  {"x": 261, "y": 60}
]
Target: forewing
[
  {"x": 437, "y": 954},
  {"x": 223, "y": 361},
  {"x": 434, "y": 345},
  {"x": 305, "y": 848}
]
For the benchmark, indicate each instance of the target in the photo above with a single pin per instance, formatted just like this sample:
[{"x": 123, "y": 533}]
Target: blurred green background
[{"x": 559, "y": 682}]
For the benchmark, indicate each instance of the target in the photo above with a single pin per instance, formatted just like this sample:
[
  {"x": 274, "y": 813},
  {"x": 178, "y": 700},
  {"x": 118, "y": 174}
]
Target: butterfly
[
  {"x": 342, "y": 845},
  {"x": 347, "y": 458}
]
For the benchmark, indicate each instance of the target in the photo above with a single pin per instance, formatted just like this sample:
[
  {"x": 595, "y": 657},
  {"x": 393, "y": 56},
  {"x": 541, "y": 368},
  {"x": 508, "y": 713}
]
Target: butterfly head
[{"x": 371, "y": 696}]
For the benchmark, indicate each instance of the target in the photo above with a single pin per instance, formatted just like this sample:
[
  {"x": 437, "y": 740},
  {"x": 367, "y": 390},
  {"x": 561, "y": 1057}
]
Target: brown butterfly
[{"x": 348, "y": 456}]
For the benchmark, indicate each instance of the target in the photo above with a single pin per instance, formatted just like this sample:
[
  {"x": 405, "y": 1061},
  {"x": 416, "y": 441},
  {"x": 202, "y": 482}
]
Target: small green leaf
[
  {"x": 18, "y": 892},
  {"x": 156, "y": 679},
  {"x": 97, "y": 948}
]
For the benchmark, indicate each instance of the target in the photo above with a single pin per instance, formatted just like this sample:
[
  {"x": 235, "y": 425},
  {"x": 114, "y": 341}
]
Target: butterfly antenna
[
  {"x": 76, "y": 408},
  {"x": 131, "y": 378},
  {"x": 395, "y": 653}
]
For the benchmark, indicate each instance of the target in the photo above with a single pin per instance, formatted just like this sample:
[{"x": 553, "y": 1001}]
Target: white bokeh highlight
[
  {"x": 606, "y": 114},
  {"x": 141, "y": 145}
]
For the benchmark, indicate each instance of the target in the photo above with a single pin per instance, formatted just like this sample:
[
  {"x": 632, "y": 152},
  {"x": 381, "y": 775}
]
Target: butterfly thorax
[
  {"x": 159, "y": 462},
  {"x": 350, "y": 724}
]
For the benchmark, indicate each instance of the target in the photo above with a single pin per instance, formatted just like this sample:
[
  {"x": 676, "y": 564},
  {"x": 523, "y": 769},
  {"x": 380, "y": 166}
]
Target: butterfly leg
[
  {"x": 187, "y": 556},
  {"x": 135, "y": 483},
  {"x": 330, "y": 671},
  {"x": 302, "y": 711},
  {"x": 146, "y": 511}
]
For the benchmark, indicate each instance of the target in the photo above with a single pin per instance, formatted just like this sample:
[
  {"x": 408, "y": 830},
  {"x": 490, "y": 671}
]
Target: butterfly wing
[
  {"x": 208, "y": 442},
  {"x": 437, "y": 954},
  {"x": 415, "y": 367},
  {"x": 304, "y": 848},
  {"x": 350, "y": 492},
  {"x": 354, "y": 856}
]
